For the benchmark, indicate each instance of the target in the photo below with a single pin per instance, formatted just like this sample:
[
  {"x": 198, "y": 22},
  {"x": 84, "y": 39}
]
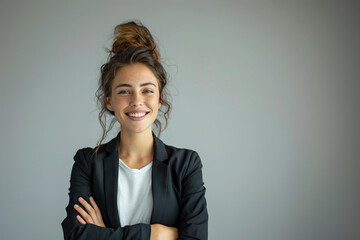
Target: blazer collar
[{"x": 159, "y": 179}]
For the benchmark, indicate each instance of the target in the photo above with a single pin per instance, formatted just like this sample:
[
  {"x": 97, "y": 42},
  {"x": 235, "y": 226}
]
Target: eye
[
  {"x": 148, "y": 91},
  {"x": 123, "y": 92}
]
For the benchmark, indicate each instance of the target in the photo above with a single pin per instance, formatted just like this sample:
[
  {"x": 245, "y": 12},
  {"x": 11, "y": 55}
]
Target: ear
[{"x": 108, "y": 104}]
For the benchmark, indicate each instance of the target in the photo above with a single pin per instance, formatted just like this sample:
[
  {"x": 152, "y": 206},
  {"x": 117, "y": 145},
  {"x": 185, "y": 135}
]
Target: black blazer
[{"x": 177, "y": 186}]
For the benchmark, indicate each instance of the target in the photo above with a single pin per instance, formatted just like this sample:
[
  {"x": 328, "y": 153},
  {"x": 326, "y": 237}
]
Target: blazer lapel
[
  {"x": 159, "y": 180},
  {"x": 111, "y": 172}
]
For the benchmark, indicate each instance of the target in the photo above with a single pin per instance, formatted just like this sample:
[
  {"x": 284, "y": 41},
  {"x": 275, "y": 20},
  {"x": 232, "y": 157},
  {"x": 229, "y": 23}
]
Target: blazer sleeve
[
  {"x": 193, "y": 218},
  {"x": 80, "y": 185}
]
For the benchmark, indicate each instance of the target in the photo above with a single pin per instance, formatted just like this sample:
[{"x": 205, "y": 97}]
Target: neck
[{"x": 136, "y": 146}]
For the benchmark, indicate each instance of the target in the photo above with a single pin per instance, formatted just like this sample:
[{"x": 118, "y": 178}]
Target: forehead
[{"x": 134, "y": 75}]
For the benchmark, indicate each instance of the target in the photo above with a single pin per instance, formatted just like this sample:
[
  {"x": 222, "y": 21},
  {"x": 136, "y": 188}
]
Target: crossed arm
[{"x": 92, "y": 215}]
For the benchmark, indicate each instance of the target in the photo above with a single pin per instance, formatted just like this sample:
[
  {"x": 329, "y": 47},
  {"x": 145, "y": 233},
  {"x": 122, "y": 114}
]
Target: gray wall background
[{"x": 269, "y": 92}]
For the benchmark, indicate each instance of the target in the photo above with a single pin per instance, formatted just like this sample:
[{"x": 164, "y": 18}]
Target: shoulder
[
  {"x": 185, "y": 167},
  {"x": 178, "y": 152},
  {"x": 92, "y": 153},
  {"x": 85, "y": 157},
  {"x": 183, "y": 158}
]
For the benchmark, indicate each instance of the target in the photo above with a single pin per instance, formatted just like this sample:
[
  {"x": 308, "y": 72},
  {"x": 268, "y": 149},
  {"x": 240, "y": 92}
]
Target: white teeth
[{"x": 137, "y": 114}]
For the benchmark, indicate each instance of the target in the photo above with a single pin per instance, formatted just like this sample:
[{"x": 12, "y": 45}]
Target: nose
[{"x": 136, "y": 99}]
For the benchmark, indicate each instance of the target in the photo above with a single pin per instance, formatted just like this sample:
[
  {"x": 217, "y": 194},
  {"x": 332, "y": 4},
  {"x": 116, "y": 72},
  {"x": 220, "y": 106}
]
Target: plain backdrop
[{"x": 267, "y": 92}]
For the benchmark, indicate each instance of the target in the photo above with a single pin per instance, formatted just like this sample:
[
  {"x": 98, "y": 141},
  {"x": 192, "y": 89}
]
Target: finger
[
  {"x": 80, "y": 219},
  {"x": 96, "y": 208},
  {"x": 83, "y": 214},
  {"x": 94, "y": 205},
  {"x": 98, "y": 220},
  {"x": 89, "y": 209}
]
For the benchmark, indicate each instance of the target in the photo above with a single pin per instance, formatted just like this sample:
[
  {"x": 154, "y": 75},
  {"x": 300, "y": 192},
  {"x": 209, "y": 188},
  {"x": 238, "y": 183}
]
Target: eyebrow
[{"x": 129, "y": 85}]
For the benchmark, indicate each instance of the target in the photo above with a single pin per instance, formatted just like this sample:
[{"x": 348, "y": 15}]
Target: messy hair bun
[
  {"x": 133, "y": 34},
  {"x": 133, "y": 43}
]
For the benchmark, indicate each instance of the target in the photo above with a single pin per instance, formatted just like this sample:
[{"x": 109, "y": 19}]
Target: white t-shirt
[{"x": 134, "y": 199}]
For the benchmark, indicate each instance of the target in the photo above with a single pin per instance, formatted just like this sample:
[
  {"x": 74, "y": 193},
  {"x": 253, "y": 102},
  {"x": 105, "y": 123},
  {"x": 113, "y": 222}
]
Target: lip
[
  {"x": 137, "y": 111},
  {"x": 137, "y": 118}
]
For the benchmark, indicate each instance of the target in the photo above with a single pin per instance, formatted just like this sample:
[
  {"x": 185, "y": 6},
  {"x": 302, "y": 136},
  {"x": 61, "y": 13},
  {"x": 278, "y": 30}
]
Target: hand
[
  {"x": 162, "y": 232},
  {"x": 91, "y": 215}
]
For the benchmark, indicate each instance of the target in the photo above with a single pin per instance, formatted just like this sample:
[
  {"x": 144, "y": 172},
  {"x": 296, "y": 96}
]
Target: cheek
[
  {"x": 121, "y": 103},
  {"x": 155, "y": 103}
]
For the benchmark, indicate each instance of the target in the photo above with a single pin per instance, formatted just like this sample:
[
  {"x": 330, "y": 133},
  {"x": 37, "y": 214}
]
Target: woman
[{"x": 135, "y": 186}]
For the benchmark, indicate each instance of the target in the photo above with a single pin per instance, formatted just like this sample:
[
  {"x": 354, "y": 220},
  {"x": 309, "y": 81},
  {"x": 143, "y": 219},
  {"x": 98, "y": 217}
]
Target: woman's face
[{"x": 134, "y": 98}]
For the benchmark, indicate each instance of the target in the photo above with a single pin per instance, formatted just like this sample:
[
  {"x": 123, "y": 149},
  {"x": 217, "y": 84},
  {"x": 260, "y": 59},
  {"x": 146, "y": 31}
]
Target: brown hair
[{"x": 133, "y": 43}]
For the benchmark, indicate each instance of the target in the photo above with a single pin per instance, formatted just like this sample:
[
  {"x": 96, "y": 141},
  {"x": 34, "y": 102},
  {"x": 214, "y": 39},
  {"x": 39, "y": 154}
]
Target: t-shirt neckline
[{"x": 134, "y": 170}]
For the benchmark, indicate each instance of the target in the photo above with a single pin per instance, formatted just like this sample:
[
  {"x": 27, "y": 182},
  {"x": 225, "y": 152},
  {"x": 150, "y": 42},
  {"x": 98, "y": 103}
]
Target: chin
[{"x": 138, "y": 130}]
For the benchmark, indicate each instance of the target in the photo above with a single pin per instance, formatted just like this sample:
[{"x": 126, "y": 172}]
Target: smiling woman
[{"x": 135, "y": 186}]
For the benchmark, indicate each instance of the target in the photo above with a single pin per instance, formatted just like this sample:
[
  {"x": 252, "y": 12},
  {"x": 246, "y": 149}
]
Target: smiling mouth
[{"x": 137, "y": 115}]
